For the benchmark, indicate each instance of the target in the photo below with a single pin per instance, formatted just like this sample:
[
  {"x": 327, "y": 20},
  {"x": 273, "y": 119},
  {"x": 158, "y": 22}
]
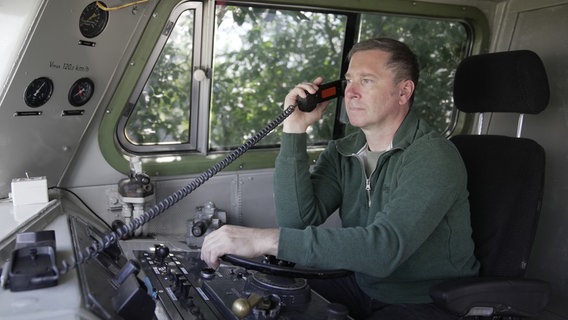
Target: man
[{"x": 400, "y": 188}]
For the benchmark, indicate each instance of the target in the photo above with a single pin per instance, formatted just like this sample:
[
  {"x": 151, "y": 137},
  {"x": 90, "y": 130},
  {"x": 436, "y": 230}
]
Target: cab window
[{"x": 162, "y": 110}]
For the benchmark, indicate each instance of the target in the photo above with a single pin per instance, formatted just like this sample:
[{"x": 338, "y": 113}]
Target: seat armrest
[{"x": 492, "y": 296}]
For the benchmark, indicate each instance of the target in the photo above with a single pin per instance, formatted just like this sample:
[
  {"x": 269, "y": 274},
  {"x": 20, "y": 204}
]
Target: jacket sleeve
[{"x": 298, "y": 202}]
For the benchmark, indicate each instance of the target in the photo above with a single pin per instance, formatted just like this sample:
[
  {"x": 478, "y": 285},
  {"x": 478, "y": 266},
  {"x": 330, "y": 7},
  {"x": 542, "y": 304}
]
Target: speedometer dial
[{"x": 93, "y": 20}]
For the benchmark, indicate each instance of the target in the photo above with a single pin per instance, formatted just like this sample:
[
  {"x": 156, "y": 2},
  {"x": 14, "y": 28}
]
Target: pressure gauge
[
  {"x": 38, "y": 92},
  {"x": 81, "y": 92},
  {"x": 93, "y": 20}
]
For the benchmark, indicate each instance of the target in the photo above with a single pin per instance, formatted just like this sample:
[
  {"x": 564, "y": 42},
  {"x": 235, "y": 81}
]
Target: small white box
[{"x": 29, "y": 191}]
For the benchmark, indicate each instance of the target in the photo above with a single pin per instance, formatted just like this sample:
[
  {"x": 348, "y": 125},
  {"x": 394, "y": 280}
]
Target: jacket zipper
[
  {"x": 367, "y": 178},
  {"x": 368, "y": 188},
  {"x": 380, "y": 163}
]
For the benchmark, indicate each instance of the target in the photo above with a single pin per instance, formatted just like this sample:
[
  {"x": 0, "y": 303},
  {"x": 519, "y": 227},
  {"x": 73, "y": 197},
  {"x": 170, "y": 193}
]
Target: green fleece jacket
[{"x": 404, "y": 229}]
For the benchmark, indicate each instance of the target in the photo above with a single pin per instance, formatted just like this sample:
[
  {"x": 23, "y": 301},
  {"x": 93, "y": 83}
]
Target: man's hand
[
  {"x": 299, "y": 121},
  {"x": 240, "y": 241}
]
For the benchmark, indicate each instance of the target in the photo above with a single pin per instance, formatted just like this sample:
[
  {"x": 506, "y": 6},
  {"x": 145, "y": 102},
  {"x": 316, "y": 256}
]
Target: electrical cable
[
  {"x": 105, "y": 8},
  {"x": 97, "y": 247},
  {"x": 82, "y": 202}
]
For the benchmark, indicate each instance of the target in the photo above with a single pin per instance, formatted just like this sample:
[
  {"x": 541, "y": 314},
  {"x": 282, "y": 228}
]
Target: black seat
[{"x": 505, "y": 182}]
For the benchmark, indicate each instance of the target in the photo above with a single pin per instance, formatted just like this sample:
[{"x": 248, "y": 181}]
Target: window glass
[
  {"x": 260, "y": 54},
  {"x": 162, "y": 111},
  {"x": 439, "y": 45}
]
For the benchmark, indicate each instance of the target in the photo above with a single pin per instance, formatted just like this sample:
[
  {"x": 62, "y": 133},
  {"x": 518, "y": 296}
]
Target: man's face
[{"x": 372, "y": 97}]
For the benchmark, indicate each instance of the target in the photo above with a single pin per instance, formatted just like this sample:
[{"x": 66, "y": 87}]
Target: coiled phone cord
[{"x": 97, "y": 247}]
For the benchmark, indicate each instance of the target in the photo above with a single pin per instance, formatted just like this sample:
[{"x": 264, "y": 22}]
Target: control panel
[
  {"x": 143, "y": 279},
  {"x": 189, "y": 290}
]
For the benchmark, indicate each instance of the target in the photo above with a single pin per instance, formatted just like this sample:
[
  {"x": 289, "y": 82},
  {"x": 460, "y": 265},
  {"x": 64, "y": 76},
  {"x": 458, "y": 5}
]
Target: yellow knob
[{"x": 242, "y": 307}]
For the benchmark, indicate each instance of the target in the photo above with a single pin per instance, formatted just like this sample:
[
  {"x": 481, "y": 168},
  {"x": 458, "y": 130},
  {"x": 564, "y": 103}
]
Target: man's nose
[{"x": 351, "y": 91}]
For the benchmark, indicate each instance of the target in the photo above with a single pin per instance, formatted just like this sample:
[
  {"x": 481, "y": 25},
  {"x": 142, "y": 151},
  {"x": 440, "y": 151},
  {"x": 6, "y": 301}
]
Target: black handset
[{"x": 326, "y": 91}]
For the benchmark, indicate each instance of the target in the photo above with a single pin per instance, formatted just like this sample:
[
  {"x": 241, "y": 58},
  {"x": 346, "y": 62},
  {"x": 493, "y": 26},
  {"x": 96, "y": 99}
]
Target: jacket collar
[{"x": 403, "y": 137}]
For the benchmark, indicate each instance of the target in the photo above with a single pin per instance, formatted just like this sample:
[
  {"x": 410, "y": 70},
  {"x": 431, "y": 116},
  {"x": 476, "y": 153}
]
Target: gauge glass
[
  {"x": 38, "y": 92},
  {"x": 93, "y": 20},
  {"x": 81, "y": 92}
]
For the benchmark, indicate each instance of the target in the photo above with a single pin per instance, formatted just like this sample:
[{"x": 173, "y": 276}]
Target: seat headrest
[{"x": 513, "y": 81}]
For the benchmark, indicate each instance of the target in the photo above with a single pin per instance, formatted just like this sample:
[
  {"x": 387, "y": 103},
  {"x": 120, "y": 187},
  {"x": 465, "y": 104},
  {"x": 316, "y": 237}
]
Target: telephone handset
[{"x": 326, "y": 91}]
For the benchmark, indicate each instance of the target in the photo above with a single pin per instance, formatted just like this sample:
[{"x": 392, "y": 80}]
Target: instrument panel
[
  {"x": 66, "y": 63},
  {"x": 189, "y": 290}
]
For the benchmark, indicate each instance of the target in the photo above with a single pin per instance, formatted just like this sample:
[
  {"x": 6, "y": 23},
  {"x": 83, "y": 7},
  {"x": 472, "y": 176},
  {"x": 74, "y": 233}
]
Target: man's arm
[{"x": 254, "y": 242}]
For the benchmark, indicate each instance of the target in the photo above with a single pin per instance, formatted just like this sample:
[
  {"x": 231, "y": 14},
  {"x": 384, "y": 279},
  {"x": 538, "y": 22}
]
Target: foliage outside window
[
  {"x": 260, "y": 54},
  {"x": 161, "y": 114}
]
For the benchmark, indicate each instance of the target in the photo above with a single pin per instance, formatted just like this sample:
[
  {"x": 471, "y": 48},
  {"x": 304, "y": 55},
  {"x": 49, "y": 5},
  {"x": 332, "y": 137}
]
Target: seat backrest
[{"x": 505, "y": 174}]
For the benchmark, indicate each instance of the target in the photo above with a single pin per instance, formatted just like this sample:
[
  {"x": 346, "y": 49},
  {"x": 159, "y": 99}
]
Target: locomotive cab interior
[{"x": 129, "y": 130}]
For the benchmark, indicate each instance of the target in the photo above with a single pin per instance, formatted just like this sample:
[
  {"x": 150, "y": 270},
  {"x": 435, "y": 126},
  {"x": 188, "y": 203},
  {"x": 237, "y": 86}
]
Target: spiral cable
[{"x": 111, "y": 238}]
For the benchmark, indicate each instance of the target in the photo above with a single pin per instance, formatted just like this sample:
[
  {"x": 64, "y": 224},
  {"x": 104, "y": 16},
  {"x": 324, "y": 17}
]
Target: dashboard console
[{"x": 145, "y": 279}]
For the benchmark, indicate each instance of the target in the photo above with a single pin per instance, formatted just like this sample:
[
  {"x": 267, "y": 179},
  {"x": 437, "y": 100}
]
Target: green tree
[
  {"x": 162, "y": 112},
  {"x": 259, "y": 55}
]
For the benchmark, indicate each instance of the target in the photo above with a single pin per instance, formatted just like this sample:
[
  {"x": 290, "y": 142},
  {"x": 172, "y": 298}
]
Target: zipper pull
[{"x": 368, "y": 188}]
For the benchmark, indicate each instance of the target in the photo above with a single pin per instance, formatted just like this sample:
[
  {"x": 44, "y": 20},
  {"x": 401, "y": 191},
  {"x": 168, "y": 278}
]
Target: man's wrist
[
  {"x": 270, "y": 239},
  {"x": 294, "y": 128}
]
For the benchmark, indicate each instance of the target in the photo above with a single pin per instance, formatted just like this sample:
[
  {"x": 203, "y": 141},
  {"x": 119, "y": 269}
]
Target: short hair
[{"x": 402, "y": 60}]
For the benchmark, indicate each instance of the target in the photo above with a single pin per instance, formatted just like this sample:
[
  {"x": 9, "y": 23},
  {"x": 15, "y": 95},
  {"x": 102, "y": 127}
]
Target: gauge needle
[
  {"x": 88, "y": 22},
  {"x": 80, "y": 92},
  {"x": 39, "y": 89}
]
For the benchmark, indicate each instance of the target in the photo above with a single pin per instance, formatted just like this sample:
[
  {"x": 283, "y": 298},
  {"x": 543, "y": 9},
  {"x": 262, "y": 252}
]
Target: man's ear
[{"x": 406, "y": 89}]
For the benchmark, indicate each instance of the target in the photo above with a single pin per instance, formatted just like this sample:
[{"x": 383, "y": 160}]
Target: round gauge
[
  {"x": 93, "y": 20},
  {"x": 81, "y": 92},
  {"x": 38, "y": 92}
]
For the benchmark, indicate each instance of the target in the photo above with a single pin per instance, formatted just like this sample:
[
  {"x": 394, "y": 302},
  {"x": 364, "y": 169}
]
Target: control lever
[
  {"x": 326, "y": 91},
  {"x": 263, "y": 307},
  {"x": 242, "y": 307}
]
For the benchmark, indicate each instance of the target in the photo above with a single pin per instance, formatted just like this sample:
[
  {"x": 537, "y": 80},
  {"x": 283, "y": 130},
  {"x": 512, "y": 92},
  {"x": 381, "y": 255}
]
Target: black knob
[
  {"x": 207, "y": 273},
  {"x": 199, "y": 228},
  {"x": 161, "y": 252}
]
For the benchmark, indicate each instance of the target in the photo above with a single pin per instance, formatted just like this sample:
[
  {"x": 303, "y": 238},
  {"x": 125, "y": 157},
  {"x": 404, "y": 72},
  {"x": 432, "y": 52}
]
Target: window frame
[{"x": 192, "y": 144}]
